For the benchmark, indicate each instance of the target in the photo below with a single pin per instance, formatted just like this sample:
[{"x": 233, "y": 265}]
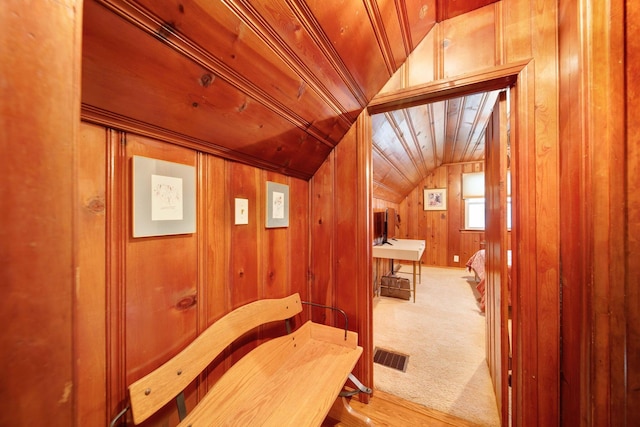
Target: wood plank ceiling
[
  {"x": 274, "y": 84},
  {"x": 410, "y": 143}
]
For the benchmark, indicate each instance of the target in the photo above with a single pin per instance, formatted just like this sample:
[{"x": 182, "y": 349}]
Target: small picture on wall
[
  {"x": 164, "y": 197},
  {"x": 277, "y": 208},
  {"x": 435, "y": 199}
]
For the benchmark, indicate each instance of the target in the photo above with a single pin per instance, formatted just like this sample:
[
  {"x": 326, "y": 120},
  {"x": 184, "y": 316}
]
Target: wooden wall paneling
[
  {"x": 340, "y": 266},
  {"x": 245, "y": 281},
  {"x": 575, "y": 253},
  {"x": 117, "y": 226},
  {"x": 440, "y": 221},
  {"x": 420, "y": 67},
  {"x": 214, "y": 291},
  {"x": 455, "y": 211},
  {"x": 469, "y": 245},
  {"x": 632, "y": 42},
  {"x": 299, "y": 241},
  {"x": 544, "y": 46},
  {"x": 504, "y": 301},
  {"x": 448, "y": 10},
  {"x": 276, "y": 269},
  {"x": 428, "y": 225},
  {"x": 159, "y": 295},
  {"x": 531, "y": 33},
  {"x": 246, "y": 250},
  {"x": 364, "y": 251},
  {"x": 469, "y": 42},
  {"x": 349, "y": 235},
  {"x": 40, "y": 62},
  {"x": 90, "y": 306},
  {"x": 322, "y": 229},
  {"x": 161, "y": 280},
  {"x": 606, "y": 132},
  {"x": 525, "y": 388},
  {"x": 495, "y": 267}
]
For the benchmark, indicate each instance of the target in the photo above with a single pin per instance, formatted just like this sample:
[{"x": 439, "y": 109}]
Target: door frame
[{"x": 518, "y": 78}]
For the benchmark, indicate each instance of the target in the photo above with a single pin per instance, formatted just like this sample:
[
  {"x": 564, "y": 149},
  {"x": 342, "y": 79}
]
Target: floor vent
[{"x": 391, "y": 359}]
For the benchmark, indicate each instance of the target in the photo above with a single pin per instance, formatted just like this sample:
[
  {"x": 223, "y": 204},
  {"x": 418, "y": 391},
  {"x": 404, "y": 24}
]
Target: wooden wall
[
  {"x": 598, "y": 218},
  {"x": 46, "y": 276},
  {"x": 162, "y": 291},
  {"x": 443, "y": 231},
  {"x": 632, "y": 210},
  {"x": 340, "y": 236},
  {"x": 509, "y": 32},
  {"x": 39, "y": 112}
]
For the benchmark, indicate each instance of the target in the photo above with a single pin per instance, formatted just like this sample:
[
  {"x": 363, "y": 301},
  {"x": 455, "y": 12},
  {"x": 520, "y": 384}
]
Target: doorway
[{"x": 505, "y": 78}]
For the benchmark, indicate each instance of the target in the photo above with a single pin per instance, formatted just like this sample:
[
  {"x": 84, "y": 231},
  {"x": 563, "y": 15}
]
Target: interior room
[
  {"x": 171, "y": 166},
  {"x": 436, "y": 149}
]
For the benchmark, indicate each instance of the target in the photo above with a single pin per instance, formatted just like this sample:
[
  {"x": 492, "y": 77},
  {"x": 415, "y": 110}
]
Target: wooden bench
[{"x": 293, "y": 379}]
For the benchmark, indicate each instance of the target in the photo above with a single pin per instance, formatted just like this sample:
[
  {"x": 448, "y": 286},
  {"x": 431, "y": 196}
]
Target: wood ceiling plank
[{"x": 127, "y": 71}]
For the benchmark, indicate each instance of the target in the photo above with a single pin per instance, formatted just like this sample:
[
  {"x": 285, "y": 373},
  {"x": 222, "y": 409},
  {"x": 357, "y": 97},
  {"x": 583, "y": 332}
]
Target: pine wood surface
[
  {"x": 386, "y": 410},
  {"x": 290, "y": 380},
  {"x": 151, "y": 392}
]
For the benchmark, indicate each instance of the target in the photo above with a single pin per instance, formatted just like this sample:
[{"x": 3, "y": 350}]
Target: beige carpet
[{"x": 443, "y": 333}]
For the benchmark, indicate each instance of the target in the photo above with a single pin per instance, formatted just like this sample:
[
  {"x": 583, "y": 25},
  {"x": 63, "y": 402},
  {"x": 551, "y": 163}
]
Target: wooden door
[{"x": 496, "y": 272}]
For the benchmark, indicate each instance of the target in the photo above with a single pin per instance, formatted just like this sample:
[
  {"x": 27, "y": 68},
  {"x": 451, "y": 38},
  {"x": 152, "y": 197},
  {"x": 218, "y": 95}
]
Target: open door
[{"x": 496, "y": 269}]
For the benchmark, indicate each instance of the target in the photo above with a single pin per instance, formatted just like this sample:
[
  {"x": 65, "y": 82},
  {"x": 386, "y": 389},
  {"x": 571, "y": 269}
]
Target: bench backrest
[{"x": 152, "y": 392}]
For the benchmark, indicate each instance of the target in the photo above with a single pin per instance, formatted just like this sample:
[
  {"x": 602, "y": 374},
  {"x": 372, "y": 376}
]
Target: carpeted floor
[{"x": 443, "y": 333}]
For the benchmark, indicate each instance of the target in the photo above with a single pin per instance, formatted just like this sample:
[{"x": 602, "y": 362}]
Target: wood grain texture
[
  {"x": 39, "y": 118},
  {"x": 443, "y": 230},
  {"x": 574, "y": 220},
  {"x": 632, "y": 66},
  {"x": 497, "y": 292},
  {"x": 154, "y": 390},
  {"x": 90, "y": 334},
  {"x": 293, "y": 379},
  {"x": 606, "y": 129}
]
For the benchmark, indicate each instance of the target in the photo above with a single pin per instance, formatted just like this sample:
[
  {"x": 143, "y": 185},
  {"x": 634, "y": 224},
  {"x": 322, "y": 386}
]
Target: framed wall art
[
  {"x": 277, "y": 208},
  {"x": 164, "y": 197},
  {"x": 435, "y": 199}
]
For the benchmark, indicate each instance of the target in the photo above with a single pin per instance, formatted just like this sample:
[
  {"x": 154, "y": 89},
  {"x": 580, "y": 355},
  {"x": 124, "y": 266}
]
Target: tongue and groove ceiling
[{"x": 275, "y": 84}]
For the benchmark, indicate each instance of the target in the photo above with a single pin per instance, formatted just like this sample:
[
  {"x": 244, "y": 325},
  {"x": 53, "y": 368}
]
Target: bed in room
[{"x": 476, "y": 264}]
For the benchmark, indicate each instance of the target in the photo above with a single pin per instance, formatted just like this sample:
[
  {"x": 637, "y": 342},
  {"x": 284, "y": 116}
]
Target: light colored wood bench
[{"x": 293, "y": 379}]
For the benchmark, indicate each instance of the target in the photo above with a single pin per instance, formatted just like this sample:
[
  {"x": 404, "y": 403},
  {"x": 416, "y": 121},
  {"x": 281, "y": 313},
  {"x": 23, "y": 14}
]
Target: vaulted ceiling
[
  {"x": 275, "y": 84},
  {"x": 410, "y": 143}
]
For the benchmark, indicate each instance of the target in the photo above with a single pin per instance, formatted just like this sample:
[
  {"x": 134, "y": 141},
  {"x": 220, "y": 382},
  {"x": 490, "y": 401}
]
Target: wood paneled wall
[
  {"x": 598, "y": 218},
  {"x": 632, "y": 241},
  {"x": 509, "y": 32},
  {"x": 443, "y": 231},
  {"x": 39, "y": 112},
  {"x": 163, "y": 291},
  {"x": 340, "y": 232}
]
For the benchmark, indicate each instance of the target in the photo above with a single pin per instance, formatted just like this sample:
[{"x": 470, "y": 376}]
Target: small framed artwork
[
  {"x": 164, "y": 197},
  {"x": 277, "y": 208},
  {"x": 435, "y": 199}
]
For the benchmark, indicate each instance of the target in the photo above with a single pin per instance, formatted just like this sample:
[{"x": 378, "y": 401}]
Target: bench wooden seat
[{"x": 293, "y": 379}]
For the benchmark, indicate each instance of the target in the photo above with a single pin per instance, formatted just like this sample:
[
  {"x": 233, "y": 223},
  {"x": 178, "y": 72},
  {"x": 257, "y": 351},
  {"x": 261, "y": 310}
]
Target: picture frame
[
  {"x": 435, "y": 199},
  {"x": 164, "y": 197},
  {"x": 277, "y": 205}
]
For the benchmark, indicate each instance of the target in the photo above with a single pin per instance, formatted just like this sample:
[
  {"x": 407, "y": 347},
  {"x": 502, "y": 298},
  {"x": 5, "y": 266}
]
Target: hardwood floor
[{"x": 388, "y": 410}]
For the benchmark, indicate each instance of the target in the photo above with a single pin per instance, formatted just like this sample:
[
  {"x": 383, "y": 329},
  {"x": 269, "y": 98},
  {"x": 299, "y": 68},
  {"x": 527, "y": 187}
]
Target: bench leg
[{"x": 343, "y": 412}]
